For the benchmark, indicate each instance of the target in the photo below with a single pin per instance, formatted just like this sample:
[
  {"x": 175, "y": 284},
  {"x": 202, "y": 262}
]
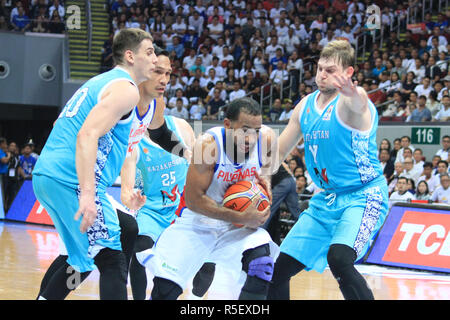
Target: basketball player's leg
[
  {"x": 138, "y": 276},
  {"x": 177, "y": 256},
  {"x": 105, "y": 247},
  {"x": 304, "y": 247},
  {"x": 128, "y": 234},
  {"x": 357, "y": 226},
  {"x": 285, "y": 268},
  {"x": 258, "y": 264},
  {"x": 203, "y": 279},
  {"x": 62, "y": 209}
]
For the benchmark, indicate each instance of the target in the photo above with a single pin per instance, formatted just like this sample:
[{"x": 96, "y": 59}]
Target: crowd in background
[
  {"x": 44, "y": 16},
  {"x": 223, "y": 50}
]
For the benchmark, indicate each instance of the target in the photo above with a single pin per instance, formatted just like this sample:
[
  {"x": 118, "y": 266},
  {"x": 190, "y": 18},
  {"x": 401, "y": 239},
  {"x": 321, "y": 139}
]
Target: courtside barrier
[{"x": 415, "y": 236}]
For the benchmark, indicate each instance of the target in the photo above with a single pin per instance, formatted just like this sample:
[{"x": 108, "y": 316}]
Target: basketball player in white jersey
[{"x": 205, "y": 230}]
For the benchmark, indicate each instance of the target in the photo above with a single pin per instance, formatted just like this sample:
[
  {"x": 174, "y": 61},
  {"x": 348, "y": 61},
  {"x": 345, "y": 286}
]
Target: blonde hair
[
  {"x": 341, "y": 51},
  {"x": 128, "y": 39}
]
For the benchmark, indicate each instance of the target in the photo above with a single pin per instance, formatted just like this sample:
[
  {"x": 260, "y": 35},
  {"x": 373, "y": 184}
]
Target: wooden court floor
[{"x": 27, "y": 250}]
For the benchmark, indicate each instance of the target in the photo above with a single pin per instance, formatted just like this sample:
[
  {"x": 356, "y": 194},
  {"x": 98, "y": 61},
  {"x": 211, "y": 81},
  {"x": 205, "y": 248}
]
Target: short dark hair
[
  {"x": 428, "y": 165},
  {"x": 402, "y": 178},
  {"x": 246, "y": 105},
  {"x": 160, "y": 51}
]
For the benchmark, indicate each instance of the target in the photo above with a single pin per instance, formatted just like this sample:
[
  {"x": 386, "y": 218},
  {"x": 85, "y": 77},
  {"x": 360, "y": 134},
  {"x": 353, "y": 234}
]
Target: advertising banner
[
  {"x": 414, "y": 236},
  {"x": 26, "y": 207}
]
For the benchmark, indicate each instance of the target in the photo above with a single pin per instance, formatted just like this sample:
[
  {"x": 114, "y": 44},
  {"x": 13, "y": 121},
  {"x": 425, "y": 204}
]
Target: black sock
[
  {"x": 138, "y": 279},
  {"x": 285, "y": 268},
  {"x": 353, "y": 286},
  {"x": 138, "y": 276},
  {"x": 56, "y": 264},
  {"x": 128, "y": 234}
]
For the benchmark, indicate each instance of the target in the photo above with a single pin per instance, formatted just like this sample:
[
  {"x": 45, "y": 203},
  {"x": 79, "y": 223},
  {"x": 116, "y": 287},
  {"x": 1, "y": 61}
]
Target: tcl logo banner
[{"x": 414, "y": 237}]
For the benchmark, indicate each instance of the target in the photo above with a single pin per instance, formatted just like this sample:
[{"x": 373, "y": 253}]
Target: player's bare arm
[
  {"x": 269, "y": 155},
  {"x": 132, "y": 199},
  {"x": 291, "y": 134},
  {"x": 198, "y": 180},
  {"x": 353, "y": 104},
  {"x": 118, "y": 100},
  {"x": 188, "y": 137}
]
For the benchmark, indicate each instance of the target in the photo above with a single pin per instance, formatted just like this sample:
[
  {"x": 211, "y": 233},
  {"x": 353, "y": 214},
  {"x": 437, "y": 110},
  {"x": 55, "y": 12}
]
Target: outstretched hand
[{"x": 345, "y": 85}]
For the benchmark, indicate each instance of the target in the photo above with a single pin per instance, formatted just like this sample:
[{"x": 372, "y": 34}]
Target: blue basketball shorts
[
  {"x": 61, "y": 203},
  {"x": 349, "y": 218}
]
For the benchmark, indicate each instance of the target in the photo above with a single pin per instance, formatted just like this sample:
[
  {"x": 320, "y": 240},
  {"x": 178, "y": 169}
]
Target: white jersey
[
  {"x": 139, "y": 125},
  {"x": 227, "y": 173}
]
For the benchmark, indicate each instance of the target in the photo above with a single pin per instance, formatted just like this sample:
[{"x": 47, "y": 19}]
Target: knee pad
[
  {"x": 340, "y": 257},
  {"x": 257, "y": 262},
  {"x": 143, "y": 243},
  {"x": 108, "y": 260},
  {"x": 203, "y": 279},
  {"x": 259, "y": 266},
  {"x": 164, "y": 289}
]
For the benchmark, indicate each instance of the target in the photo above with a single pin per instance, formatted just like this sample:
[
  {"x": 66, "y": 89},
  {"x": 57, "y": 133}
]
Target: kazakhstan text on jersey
[{"x": 338, "y": 157}]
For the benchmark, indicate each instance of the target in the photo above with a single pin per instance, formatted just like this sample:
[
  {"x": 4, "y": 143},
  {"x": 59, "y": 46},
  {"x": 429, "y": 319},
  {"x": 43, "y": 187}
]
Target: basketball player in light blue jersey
[
  {"x": 83, "y": 156},
  {"x": 339, "y": 125}
]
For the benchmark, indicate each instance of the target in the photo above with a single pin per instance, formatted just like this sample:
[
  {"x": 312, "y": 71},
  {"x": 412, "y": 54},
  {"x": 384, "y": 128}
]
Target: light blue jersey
[
  {"x": 343, "y": 162},
  {"x": 55, "y": 180},
  {"x": 338, "y": 158},
  {"x": 57, "y": 159},
  {"x": 162, "y": 176}
]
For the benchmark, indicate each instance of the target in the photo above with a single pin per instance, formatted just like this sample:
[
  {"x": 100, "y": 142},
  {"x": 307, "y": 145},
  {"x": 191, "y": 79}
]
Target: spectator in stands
[
  {"x": 4, "y": 26},
  {"x": 278, "y": 57},
  {"x": 213, "y": 107},
  {"x": 424, "y": 88},
  {"x": 179, "y": 94},
  {"x": 408, "y": 84},
  {"x": 405, "y": 143},
  {"x": 433, "y": 104},
  {"x": 56, "y": 24},
  {"x": 195, "y": 92},
  {"x": 20, "y": 22},
  {"x": 422, "y": 191},
  {"x": 386, "y": 163},
  {"x": 418, "y": 69},
  {"x": 410, "y": 172},
  {"x": 420, "y": 113},
  {"x": 287, "y": 112},
  {"x": 27, "y": 161},
  {"x": 399, "y": 69},
  {"x": 444, "y": 112},
  {"x": 279, "y": 77},
  {"x": 432, "y": 71},
  {"x": 197, "y": 110},
  {"x": 376, "y": 95},
  {"x": 302, "y": 191},
  {"x": 237, "y": 91},
  {"x": 444, "y": 153},
  {"x": 442, "y": 193},
  {"x": 196, "y": 21},
  {"x": 190, "y": 39},
  {"x": 442, "y": 40},
  {"x": 428, "y": 177},
  {"x": 179, "y": 111},
  {"x": 252, "y": 85},
  {"x": 401, "y": 194},
  {"x": 56, "y": 7},
  {"x": 276, "y": 110},
  {"x": 385, "y": 81}
]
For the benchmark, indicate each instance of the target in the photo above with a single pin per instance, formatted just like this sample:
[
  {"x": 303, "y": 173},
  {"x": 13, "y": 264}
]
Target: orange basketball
[{"x": 240, "y": 195}]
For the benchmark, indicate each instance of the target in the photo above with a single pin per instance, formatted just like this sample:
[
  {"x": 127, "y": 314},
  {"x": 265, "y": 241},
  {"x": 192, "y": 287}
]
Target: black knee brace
[
  {"x": 164, "y": 289},
  {"x": 341, "y": 259},
  {"x": 203, "y": 279},
  {"x": 258, "y": 265}
]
